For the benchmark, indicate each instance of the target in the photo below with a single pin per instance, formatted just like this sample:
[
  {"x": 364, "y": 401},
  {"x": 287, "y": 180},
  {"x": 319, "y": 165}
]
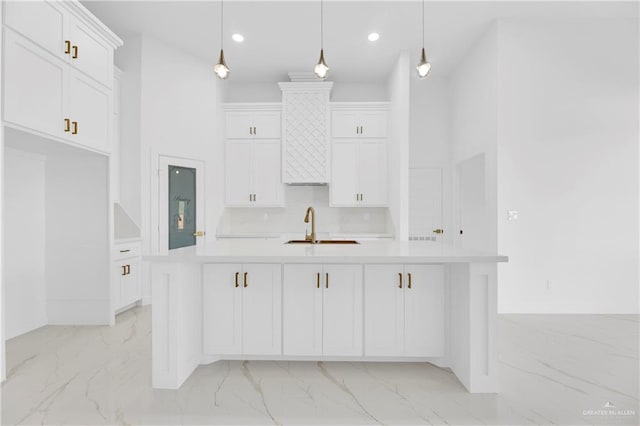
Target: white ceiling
[{"x": 283, "y": 36}]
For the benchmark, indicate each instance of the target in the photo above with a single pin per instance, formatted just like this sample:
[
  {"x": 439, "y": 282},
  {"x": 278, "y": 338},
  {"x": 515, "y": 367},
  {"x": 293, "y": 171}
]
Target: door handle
[
  {"x": 75, "y": 52},
  {"x": 326, "y": 280},
  {"x": 438, "y": 231},
  {"x": 245, "y": 278},
  {"x": 67, "y": 47},
  {"x": 74, "y": 125},
  {"x": 237, "y": 273},
  {"x": 199, "y": 234},
  {"x": 400, "y": 278},
  {"x": 409, "y": 284},
  {"x": 67, "y": 125},
  {"x": 318, "y": 280}
]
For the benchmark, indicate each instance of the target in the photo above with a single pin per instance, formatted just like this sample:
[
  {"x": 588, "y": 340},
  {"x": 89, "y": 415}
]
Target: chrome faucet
[{"x": 311, "y": 212}]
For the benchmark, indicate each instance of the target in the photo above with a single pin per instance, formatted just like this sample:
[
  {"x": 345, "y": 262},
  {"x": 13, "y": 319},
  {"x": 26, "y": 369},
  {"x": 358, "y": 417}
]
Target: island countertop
[{"x": 276, "y": 251}]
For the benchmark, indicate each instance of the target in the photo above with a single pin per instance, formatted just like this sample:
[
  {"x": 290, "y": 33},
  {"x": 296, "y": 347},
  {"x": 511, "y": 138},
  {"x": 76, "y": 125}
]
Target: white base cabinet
[
  {"x": 404, "y": 310},
  {"x": 242, "y": 309},
  {"x": 126, "y": 279},
  {"x": 322, "y": 310}
]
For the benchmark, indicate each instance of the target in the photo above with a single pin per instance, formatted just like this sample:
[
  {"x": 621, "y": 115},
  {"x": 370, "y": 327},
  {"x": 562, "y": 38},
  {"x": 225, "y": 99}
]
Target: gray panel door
[{"x": 182, "y": 207}]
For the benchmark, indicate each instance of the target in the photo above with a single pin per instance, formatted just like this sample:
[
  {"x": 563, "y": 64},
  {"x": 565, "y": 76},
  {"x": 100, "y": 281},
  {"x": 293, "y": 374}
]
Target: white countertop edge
[{"x": 327, "y": 259}]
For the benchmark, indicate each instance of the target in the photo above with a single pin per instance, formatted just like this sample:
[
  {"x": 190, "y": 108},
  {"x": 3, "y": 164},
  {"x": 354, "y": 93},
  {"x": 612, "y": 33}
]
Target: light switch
[{"x": 512, "y": 214}]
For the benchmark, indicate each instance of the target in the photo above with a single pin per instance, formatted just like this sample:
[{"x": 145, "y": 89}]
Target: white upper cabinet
[
  {"x": 322, "y": 310},
  {"x": 358, "y": 123},
  {"x": 253, "y": 124},
  {"x": 359, "y": 155},
  {"x": 90, "y": 53},
  {"x": 59, "y": 72},
  {"x": 35, "y": 86},
  {"x": 40, "y": 21},
  {"x": 253, "y": 156},
  {"x": 404, "y": 310}
]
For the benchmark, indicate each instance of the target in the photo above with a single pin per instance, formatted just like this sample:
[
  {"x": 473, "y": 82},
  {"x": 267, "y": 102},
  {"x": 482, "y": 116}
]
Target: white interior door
[
  {"x": 162, "y": 213},
  {"x": 425, "y": 203},
  {"x": 472, "y": 218}
]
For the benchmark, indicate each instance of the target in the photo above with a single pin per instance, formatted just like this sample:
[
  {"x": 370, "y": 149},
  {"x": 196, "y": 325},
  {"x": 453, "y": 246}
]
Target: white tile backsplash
[{"x": 290, "y": 219}]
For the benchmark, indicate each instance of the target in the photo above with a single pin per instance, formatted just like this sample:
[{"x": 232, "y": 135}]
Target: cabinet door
[
  {"x": 118, "y": 274},
  {"x": 237, "y": 166},
  {"x": 302, "y": 310},
  {"x": 90, "y": 53},
  {"x": 342, "y": 310},
  {"x": 383, "y": 310},
  {"x": 238, "y": 125},
  {"x": 373, "y": 124},
  {"x": 222, "y": 309},
  {"x": 372, "y": 168},
  {"x": 267, "y": 124},
  {"x": 344, "y": 173},
  {"x": 262, "y": 310},
  {"x": 344, "y": 124},
  {"x": 424, "y": 311},
  {"x": 34, "y": 86},
  {"x": 267, "y": 186},
  {"x": 40, "y": 21},
  {"x": 90, "y": 107}
]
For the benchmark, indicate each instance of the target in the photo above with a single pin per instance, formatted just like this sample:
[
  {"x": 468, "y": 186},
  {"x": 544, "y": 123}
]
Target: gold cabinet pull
[
  {"x": 74, "y": 124},
  {"x": 245, "y": 278},
  {"x": 67, "y": 47},
  {"x": 318, "y": 280},
  {"x": 254, "y": 197},
  {"x": 409, "y": 284},
  {"x": 255, "y": 131},
  {"x": 237, "y": 274},
  {"x": 326, "y": 280},
  {"x": 400, "y": 277},
  {"x": 124, "y": 270},
  {"x": 75, "y": 52},
  {"x": 250, "y": 130},
  {"x": 67, "y": 125}
]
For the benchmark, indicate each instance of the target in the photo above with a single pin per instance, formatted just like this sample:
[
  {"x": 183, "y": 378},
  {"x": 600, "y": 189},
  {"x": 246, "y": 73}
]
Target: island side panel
[
  {"x": 176, "y": 317},
  {"x": 473, "y": 314}
]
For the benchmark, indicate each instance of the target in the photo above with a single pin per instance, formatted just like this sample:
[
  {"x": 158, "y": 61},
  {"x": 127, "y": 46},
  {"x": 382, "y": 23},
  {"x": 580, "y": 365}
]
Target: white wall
[
  {"x": 398, "y": 155},
  {"x": 129, "y": 59},
  {"x": 24, "y": 239},
  {"x": 568, "y": 163},
  {"x": 474, "y": 130},
  {"x": 179, "y": 118}
]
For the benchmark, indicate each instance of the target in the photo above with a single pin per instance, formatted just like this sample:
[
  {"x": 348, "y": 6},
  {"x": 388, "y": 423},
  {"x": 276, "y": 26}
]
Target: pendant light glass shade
[
  {"x": 423, "y": 67},
  {"x": 221, "y": 69},
  {"x": 321, "y": 69}
]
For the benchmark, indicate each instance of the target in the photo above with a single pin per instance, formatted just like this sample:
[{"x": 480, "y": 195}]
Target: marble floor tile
[{"x": 555, "y": 369}]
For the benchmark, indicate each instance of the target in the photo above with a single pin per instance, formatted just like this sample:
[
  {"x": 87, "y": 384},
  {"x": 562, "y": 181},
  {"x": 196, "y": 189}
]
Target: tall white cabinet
[
  {"x": 359, "y": 154},
  {"x": 252, "y": 156},
  {"x": 57, "y": 97}
]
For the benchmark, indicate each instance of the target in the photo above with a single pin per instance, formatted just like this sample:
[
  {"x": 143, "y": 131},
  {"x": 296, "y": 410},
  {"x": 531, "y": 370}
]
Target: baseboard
[{"x": 79, "y": 311}]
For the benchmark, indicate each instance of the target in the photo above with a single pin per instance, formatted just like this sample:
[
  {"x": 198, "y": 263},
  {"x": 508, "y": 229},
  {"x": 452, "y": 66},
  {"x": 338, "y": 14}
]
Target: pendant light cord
[
  {"x": 321, "y": 24},
  {"x": 221, "y": 23},
  {"x": 423, "y": 24}
]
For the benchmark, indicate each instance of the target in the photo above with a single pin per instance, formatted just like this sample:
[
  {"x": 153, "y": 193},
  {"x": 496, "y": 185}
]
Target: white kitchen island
[{"x": 374, "y": 301}]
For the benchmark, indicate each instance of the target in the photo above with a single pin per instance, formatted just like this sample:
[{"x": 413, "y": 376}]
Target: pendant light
[
  {"x": 423, "y": 67},
  {"x": 321, "y": 69},
  {"x": 221, "y": 69}
]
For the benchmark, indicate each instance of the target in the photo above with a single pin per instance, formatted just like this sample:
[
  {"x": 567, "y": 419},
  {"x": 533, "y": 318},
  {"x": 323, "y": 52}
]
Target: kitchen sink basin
[{"x": 322, "y": 242}]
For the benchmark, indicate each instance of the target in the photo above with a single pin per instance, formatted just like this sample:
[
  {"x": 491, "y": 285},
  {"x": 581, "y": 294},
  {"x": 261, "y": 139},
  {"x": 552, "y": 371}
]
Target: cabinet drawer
[{"x": 126, "y": 250}]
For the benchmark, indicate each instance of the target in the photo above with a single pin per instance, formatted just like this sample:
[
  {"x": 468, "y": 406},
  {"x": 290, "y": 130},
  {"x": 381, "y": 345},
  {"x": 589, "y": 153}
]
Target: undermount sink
[{"x": 322, "y": 242}]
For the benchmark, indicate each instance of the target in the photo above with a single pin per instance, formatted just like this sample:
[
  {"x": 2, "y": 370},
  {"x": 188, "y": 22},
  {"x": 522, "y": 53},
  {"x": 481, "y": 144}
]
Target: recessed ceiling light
[
  {"x": 373, "y": 36},
  {"x": 237, "y": 38}
]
